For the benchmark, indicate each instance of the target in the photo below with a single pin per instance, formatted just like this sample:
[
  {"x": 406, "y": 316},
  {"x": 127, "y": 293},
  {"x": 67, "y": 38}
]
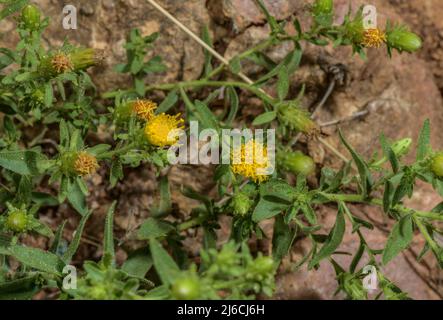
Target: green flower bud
[
  {"x": 290, "y": 115},
  {"x": 400, "y": 148},
  {"x": 323, "y": 11},
  {"x": 437, "y": 165},
  {"x": 264, "y": 265},
  {"x": 123, "y": 112},
  {"x": 323, "y": 7},
  {"x": 354, "y": 29},
  {"x": 98, "y": 292},
  {"x": 186, "y": 288},
  {"x": 38, "y": 96},
  {"x": 296, "y": 162},
  {"x": 402, "y": 39},
  {"x": 354, "y": 288},
  {"x": 31, "y": 17},
  {"x": 84, "y": 58},
  {"x": 17, "y": 220},
  {"x": 63, "y": 62},
  {"x": 241, "y": 204}
]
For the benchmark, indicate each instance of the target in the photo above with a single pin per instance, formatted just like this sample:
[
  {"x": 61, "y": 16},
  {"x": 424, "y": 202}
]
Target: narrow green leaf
[
  {"x": 283, "y": 84},
  {"x": 154, "y": 228},
  {"x": 234, "y": 103},
  {"x": 170, "y": 101},
  {"x": 49, "y": 95},
  {"x": 264, "y": 118},
  {"x": 73, "y": 246},
  {"x": 267, "y": 209},
  {"x": 12, "y": 8},
  {"x": 334, "y": 240},
  {"x": 282, "y": 238},
  {"x": 108, "y": 238},
  {"x": 76, "y": 197},
  {"x": 37, "y": 259},
  {"x": 22, "y": 162},
  {"x": 363, "y": 170},
  {"x": 399, "y": 239},
  {"x": 424, "y": 141},
  {"x": 138, "y": 263},
  {"x": 57, "y": 238},
  {"x": 165, "y": 266}
]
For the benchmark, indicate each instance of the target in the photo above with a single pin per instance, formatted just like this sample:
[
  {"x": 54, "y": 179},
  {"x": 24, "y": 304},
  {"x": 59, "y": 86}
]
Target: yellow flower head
[
  {"x": 61, "y": 63},
  {"x": 144, "y": 109},
  {"x": 159, "y": 130},
  {"x": 251, "y": 161},
  {"x": 373, "y": 38},
  {"x": 85, "y": 164}
]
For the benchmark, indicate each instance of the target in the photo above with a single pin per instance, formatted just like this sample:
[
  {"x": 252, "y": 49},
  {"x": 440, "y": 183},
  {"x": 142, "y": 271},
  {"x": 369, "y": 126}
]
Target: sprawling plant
[{"x": 43, "y": 91}]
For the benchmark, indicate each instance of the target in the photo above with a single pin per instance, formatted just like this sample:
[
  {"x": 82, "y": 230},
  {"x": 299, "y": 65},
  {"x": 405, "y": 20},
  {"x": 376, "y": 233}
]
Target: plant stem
[
  {"x": 208, "y": 83},
  {"x": 191, "y": 223},
  {"x": 355, "y": 198},
  {"x": 111, "y": 154}
]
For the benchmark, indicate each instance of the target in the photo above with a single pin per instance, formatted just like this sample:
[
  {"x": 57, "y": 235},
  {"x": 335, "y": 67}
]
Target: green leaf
[
  {"x": 235, "y": 64},
  {"x": 116, "y": 172},
  {"x": 206, "y": 37},
  {"x": 108, "y": 238},
  {"x": 399, "y": 239},
  {"x": 278, "y": 189},
  {"x": 76, "y": 197},
  {"x": 309, "y": 213},
  {"x": 22, "y": 162},
  {"x": 264, "y": 118},
  {"x": 154, "y": 228},
  {"x": 363, "y": 170},
  {"x": 40, "y": 227},
  {"x": 19, "y": 289},
  {"x": 57, "y": 238},
  {"x": 389, "y": 154},
  {"x": 12, "y": 8},
  {"x": 170, "y": 101},
  {"x": 388, "y": 196},
  {"x": 49, "y": 95},
  {"x": 334, "y": 240},
  {"x": 138, "y": 263},
  {"x": 282, "y": 238},
  {"x": 64, "y": 134},
  {"x": 283, "y": 84},
  {"x": 234, "y": 103},
  {"x": 205, "y": 116},
  {"x": 37, "y": 259},
  {"x": 424, "y": 141},
  {"x": 165, "y": 266},
  {"x": 266, "y": 209},
  {"x": 165, "y": 204},
  {"x": 73, "y": 246}
]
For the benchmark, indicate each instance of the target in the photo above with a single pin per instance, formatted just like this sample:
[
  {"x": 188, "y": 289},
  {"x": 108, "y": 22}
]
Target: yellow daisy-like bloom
[
  {"x": 85, "y": 164},
  {"x": 251, "y": 161},
  {"x": 144, "y": 109},
  {"x": 62, "y": 63},
  {"x": 159, "y": 130},
  {"x": 373, "y": 38}
]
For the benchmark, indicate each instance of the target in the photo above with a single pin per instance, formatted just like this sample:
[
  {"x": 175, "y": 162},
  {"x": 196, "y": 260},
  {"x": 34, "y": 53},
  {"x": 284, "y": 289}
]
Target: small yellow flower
[
  {"x": 159, "y": 130},
  {"x": 144, "y": 109},
  {"x": 61, "y": 63},
  {"x": 373, "y": 38},
  {"x": 251, "y": 161},
  {"x": 85, "y": 164}
]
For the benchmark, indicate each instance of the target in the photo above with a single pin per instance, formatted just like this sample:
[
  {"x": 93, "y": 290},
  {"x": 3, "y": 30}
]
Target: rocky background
[{"x": 399, "y": 94}]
